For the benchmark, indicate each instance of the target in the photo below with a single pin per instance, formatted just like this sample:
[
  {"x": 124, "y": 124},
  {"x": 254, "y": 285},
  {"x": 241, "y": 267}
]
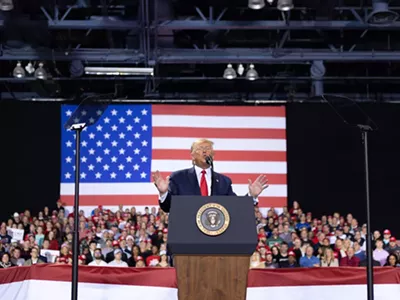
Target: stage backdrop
[
  {"x": 129, "y": 142},
  {"x": 325, "y": 160}
]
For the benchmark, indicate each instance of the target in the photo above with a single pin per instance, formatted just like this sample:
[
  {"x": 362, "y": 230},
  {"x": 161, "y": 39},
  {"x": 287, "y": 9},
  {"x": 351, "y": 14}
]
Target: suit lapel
[{"x": 194, "y": 182}]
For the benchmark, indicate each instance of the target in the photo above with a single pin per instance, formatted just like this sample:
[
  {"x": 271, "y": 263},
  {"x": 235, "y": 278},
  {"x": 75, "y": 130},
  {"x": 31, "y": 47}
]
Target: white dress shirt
[{"x": 198, "y": 171}]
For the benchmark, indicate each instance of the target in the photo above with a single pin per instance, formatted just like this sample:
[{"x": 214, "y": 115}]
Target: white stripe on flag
[
  {"x": 218, "y": 122},
  {"x": 224, "y": 167},
  {"x": 222, "y": 144},
  {"x": 61, "y": 290},
  {"x": 146, "y": 188},
  {"x": 331, "y": 292}
]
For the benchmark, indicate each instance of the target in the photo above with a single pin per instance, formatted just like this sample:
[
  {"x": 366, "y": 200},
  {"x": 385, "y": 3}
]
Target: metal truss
[
  {"x": 179, "y": 98},
  {"x": 111, "y": 24}
]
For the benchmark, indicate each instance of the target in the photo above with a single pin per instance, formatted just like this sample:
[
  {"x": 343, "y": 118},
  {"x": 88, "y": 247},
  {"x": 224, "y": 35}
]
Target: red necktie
[{"x": 203, "y": 184}]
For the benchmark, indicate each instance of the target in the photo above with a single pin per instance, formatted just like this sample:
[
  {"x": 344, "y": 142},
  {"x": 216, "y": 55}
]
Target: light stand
[
  {"x": 370, "y": 269},
  {"x": 75, "y": 242}
]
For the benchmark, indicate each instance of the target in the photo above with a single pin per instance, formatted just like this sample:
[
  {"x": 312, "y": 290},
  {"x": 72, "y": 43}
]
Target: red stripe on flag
[
  {"x": 225, "y": 133},
  {"x": 223, "y": 155},
  {"x": 158, "y": 277},
  {"x": 198, "y": 110},
  {"x": 244, "y": 178},
  {"x": 320, "y": 276},
  {"x": 147, "y": 200}
]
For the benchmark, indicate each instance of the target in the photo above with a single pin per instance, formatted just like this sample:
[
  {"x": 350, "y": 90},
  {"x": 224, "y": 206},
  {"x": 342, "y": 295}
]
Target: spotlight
[
  {"x": 6, "y": 5},
  {"x": 251, "y": 74},
  {"x": 285, "y": 5},
  {"x": 229, "y": 73},
  {"x": 381, "y": 15},
  {"x": 19, "y": 71},
  {"x": 40, "y": 72},
  {"x": 256, "y": 4}
]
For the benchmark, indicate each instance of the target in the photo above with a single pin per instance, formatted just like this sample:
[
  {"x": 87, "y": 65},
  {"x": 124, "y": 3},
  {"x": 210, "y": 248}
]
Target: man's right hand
[{"x": 161, "y": 183}]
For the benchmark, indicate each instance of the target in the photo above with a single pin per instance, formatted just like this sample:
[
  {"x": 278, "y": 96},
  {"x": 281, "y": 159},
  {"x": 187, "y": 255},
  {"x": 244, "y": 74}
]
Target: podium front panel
[{"x": 186, "y": 237}]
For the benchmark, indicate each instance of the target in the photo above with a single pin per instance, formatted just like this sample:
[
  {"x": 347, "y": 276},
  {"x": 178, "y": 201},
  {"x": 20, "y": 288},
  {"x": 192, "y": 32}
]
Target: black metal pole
[
  {"x": 75, "y": 242},
  {"x": 370, "y": 269}
]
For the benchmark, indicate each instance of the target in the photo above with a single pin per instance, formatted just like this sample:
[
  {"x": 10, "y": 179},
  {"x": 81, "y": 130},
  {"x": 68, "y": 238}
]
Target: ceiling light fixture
[{"x": 229, "y": 72}]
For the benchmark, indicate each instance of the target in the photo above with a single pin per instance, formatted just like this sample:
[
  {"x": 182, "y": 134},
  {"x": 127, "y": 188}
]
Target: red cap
[
  {"x": 165, "y": 230},
  {"x": 139, "y": 258},
  {"x": 268, "y": 252},
  {"x": 82, "y": 257},
  {"x": 115, "y": 243},
  {"x": 387, "y": 231},
  {"x": 392, "y": 239},
  {"x": 291, "y": 253}
]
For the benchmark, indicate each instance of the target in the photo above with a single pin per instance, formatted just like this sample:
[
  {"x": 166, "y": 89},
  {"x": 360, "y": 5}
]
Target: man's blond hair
[{"x": 201, "y": 141}]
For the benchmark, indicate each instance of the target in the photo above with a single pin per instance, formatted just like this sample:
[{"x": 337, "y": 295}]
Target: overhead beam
[
  {"x": 214, "y": 98},
  {"x": 209, "y": 56},
  {"x": 202, "y": 56},
  {"x": 109, "y": 24},
  {"x": 104, "y": 24},
  {"x": 121, "y": 56}
]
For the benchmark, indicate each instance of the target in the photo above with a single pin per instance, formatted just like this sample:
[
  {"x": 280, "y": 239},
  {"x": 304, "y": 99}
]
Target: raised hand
[
  {"x": 160, "y": 183},
  {"x": 256, "y": 187}
]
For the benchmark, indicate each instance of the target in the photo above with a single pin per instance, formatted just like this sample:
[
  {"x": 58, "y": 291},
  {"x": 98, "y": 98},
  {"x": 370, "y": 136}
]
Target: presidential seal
[{"x": 212, "y": 219}]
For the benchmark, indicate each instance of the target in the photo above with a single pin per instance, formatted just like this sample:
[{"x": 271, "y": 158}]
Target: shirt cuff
[
  {"x": 163, "y": 197},
  {"x": 255, "y": 200}
]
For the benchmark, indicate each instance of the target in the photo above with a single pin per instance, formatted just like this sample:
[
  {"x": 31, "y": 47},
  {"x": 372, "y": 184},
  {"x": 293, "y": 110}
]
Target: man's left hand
[{"x": 256, "y": 187}]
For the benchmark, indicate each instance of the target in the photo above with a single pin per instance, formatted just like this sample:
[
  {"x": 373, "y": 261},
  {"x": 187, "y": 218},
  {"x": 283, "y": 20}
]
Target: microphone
[{"x": 209, "y": 161}]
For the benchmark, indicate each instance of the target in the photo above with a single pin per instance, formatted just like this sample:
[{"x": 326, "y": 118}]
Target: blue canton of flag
[{"x": 117, "y": 148}]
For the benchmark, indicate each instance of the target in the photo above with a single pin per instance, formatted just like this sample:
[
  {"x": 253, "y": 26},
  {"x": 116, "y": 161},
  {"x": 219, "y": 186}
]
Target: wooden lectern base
[{"x": 202, "y": 277}]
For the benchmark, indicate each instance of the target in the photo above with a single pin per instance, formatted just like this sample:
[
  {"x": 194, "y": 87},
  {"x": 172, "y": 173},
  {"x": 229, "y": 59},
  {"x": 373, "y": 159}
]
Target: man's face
[
  {"x": 118, "y": 256},
  {"x": 350, "y": 252},
  {"x": 17, "y": 253},
  {"x": 200, "y": 152},
  {"x": 34, "y": 253},
  {"x": 97, "y": 254}
]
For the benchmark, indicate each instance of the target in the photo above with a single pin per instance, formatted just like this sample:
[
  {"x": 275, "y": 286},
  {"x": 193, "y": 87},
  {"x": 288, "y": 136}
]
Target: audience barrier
[{"x": 49, "y": 282}]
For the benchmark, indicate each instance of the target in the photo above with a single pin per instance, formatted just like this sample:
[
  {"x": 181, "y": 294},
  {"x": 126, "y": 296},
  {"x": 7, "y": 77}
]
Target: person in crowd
[
  {"x": 255, "y": 261},
  {"x": 98, "y": 259},
  {"x": 291, "y": 262},
  {"x": 328, "y": 259},
  {"x": 269, "y": 262},
  {"x": 5, "y": 261},
  {"x": 392, "y": 247},
  {"x": 379, "y": 253},
  {"x": 309, "y": 260},
  {"x": 392, "y": 261},
  {"x": 163, "y": 260},
  {"x": 358, "y": 252},
  {"x": 118, "y": 262},
  {"x": 34, "y": 258},
  {"x": 350, "y": 260},
  {"x": 386, "y": 237}
]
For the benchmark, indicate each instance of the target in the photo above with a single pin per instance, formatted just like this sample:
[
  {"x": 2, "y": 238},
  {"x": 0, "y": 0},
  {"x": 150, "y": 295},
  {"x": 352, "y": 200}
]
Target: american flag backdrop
[{"x": 120, "y": 151}]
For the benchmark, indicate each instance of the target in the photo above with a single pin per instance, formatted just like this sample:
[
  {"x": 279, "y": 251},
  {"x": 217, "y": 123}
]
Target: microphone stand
[{"x": 210, "y": 162}]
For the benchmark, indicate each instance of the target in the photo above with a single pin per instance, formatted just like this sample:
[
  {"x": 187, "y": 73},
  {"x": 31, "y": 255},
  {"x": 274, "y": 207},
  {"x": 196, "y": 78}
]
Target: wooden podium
[{"x": 211, "y": 267}]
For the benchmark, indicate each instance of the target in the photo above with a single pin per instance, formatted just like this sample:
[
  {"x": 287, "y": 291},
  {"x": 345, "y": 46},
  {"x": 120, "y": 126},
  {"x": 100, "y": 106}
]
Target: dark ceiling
[{"x": 189, "y": 44}]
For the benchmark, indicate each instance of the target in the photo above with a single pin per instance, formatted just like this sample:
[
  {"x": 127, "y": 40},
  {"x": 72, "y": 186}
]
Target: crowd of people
[
  {"x": 128, "y": 238},
  {"x": 295, "y": 239}
]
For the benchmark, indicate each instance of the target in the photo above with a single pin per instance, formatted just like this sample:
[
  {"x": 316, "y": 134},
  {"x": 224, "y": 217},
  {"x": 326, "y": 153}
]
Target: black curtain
[{"x": 326, "y": 163}]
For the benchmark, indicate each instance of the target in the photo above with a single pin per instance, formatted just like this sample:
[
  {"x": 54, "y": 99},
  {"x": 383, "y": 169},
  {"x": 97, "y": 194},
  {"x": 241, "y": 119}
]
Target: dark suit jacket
[{"x": 185, "y": 183}]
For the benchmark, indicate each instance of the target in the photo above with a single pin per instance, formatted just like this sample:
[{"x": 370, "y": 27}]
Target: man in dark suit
[{"x": 201, "y": 179}]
